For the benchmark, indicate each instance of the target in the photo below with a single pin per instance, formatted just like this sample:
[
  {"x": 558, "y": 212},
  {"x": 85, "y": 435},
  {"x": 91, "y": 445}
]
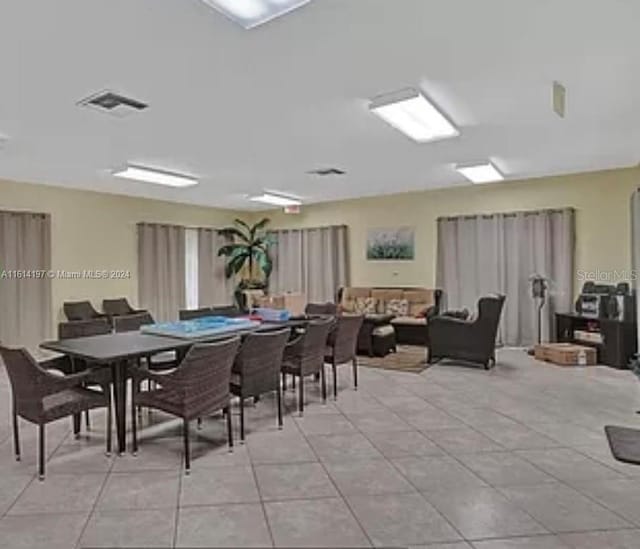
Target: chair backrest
[
  {"x": 117, "y": 307},
  {"x": 321, "y": 309},
  {"x": 83, "y": 328},
  {"x": 132, "y": 323},
  {"x": 230, "y": 311},
  {"x": 27, "y": 380},
  {"x": 260, "y": 359},
  {"x": 204, "y": 375},
  {"x": 345, "y": 337},
  {"x": 191, "y": 314},
  {"x": 79, "y": 310},
  {"x": 489, "y": 311},
  {"x": 314, "y": 346}
]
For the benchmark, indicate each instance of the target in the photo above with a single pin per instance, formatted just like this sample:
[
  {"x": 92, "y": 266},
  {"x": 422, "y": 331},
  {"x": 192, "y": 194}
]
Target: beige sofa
[{"x": 409, "y": 307}]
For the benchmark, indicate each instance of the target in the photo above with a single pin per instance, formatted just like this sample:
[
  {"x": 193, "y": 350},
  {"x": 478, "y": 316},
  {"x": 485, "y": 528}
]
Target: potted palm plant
[{"x": 247, "y": 255}]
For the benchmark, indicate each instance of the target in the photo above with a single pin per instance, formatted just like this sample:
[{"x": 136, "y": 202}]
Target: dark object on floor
[
  {"x": 624, "y": 443},
  {"x": 42, "y": 397},
  {"x": 328, "y": 309},
  {"x": 198, "y": 387},
  {"x": 81, "y": 310},
  {"x": 305, "y": 356},
  {"x": 384, "y": 340},
  {"x": 341, "y": 347},
  {"x": 256, "y": 369},
  {"x": 467, "y": 340},
  {"x": 119, "y": 307}
]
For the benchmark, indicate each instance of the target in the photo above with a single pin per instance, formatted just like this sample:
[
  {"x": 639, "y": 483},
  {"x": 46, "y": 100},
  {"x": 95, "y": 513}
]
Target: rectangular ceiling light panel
[
  {"x": 481, "y": 173},
  {"x": 410, "y": 112},
  {"x": 276, "y": 200},
  {"x": 251, "y": 13},
  {"x": 159, "y": 177}
]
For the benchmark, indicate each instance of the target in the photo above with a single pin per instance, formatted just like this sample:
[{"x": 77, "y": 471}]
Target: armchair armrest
[
  {"x": 50, "y": 383},
  {"x": 293, "y": 349},
  {"x": 162, "y": 378}
]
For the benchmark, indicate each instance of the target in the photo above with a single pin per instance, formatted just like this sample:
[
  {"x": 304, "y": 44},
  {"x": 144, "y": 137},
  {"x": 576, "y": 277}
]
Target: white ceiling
[{"x": 254, "y": 110}]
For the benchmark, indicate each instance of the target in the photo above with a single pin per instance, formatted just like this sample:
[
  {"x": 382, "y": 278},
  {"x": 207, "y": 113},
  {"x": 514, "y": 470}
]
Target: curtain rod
[
  {"x": 25, "y": 212},
  {"x": 308, "y": 228},
  {"x": 506, "y": 214}
]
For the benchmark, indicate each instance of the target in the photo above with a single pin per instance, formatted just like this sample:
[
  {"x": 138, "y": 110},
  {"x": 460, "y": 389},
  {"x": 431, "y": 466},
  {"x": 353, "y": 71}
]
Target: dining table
[{"x": 118, "y": 351}]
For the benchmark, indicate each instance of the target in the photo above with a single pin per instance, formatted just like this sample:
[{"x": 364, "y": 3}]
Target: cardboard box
[
  {"x": 294, "y": 303},
  {"x": 566, "y": 354}
]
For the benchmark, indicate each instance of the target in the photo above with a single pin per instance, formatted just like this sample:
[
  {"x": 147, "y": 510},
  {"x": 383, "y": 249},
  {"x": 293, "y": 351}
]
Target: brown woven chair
[
  {"x": 341, "y": 347},
  {"x": 68, "y": 365},
  {"x": 132, "y": 323},
  {"x": 198, "y": 387},
  {"x": 42, "y": 397},
  {"x": 328, "y": 309},
  {"x": 256, "y": 369},
  {"x": 119, "y": 307},
  {"x": 81, "y": 310},
  {"x": 304, "y": 356}
]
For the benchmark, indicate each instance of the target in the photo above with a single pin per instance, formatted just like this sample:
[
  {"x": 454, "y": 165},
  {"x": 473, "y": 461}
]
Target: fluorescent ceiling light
[
  {"x": 276, "y": 200},
  {"x": 481, "y": 173},
  {"x": 151, "y": 175},
  {"x": 251, "y": 13},
  {"x": 414, "y": 115}
]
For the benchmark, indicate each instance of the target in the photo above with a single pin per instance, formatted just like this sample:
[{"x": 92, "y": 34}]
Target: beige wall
[
  {"x": 601, "y": 200},
  {"x": 98, "y": 231}
]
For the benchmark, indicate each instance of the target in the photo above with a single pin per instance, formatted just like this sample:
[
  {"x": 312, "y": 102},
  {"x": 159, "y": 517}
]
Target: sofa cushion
[
  {"x": 398, "y": 307},
  {"x": 421, "y": 296},
  {"x": 349, "y": 296},
  {"x": 418, "y": 309},
  {"x": 409, "y": 320},
  {"x": 387, "y": 294},
  {"x": 365, "y": 305}
]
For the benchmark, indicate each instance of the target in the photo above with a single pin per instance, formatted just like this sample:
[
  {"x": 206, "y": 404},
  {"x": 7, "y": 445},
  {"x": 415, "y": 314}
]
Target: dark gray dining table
[{"x": 116, "y": 351}]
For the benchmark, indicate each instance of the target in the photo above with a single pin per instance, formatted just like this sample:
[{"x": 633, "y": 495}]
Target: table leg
[{"x": 119, "y": 370}]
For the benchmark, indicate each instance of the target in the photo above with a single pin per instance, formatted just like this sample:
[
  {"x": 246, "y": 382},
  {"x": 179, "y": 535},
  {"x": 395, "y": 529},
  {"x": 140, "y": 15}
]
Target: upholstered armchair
[
  {"x": 470, "y": 340},
  {"x": 81, "y": 310},
  {"x": 119, "y": 307}
]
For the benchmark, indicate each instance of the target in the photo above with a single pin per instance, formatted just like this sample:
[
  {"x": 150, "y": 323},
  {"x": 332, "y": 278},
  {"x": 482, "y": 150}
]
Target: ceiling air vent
[
  {"x": 326, "y": 171},
  {"x": 113, "y": 104}
]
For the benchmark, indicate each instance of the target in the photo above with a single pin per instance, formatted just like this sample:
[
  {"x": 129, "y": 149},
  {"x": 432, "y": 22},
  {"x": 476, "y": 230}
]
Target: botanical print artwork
[{"x": 391, "y": 244}]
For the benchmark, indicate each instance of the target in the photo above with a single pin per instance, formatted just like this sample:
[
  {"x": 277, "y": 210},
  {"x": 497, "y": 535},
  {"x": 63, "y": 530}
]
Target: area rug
[{"x": 407, "y": 358}]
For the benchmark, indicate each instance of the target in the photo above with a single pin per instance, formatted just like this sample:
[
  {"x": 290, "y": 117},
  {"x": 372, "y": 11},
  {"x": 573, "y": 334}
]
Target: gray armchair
[{"x": 467, "y": 340}]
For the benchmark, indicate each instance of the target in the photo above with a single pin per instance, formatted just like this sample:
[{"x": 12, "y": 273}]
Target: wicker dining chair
[
  {"x": 119, "y": 307},
  {"x": 198, "y": 387},
  {"x": 69, "y": 365},
  {"x": 304, "y": 356},
  {"x": 256, "y": 369},
  {"x": 328, "y": 309},
  {"x": 132, "y": 323},
  {"x": 341, "y": 347},
  {"x": 81, "y": 310},
  {"x": 41, "y": 397}
]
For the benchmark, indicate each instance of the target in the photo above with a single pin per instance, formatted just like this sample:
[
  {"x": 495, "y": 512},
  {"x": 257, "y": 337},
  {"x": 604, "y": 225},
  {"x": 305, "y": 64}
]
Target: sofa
[{"x": 406, "y": 309}]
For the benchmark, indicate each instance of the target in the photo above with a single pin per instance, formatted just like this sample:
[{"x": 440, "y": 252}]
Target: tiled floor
[{"x": 454, "y": 458}]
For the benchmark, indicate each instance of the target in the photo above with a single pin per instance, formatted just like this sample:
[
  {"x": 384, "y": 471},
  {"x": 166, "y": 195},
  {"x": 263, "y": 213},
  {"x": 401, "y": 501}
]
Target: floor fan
[{"x": 539, "y": 293}]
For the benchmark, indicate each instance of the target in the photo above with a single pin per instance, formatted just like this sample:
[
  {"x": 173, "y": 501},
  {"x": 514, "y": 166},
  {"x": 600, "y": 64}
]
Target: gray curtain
[
  {"x": 161, "y": 269},
  {"x": 635, "y": 248},
  {"x": 25, "y": 301},
  {"x": 213, "y": 287},
  {"x": 313, "y": 262},
  {"x": 483, "y": 254}
]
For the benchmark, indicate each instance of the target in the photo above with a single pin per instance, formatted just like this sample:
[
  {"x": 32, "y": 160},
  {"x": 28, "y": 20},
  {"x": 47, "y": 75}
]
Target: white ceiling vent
[{"x": 113, "y": 104}]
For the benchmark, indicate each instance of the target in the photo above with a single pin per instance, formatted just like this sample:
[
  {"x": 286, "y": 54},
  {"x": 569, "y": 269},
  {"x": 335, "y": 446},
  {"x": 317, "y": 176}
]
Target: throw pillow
[
  {"x": 398, "y": 307},
  {"x": 365, "y": 305}
]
